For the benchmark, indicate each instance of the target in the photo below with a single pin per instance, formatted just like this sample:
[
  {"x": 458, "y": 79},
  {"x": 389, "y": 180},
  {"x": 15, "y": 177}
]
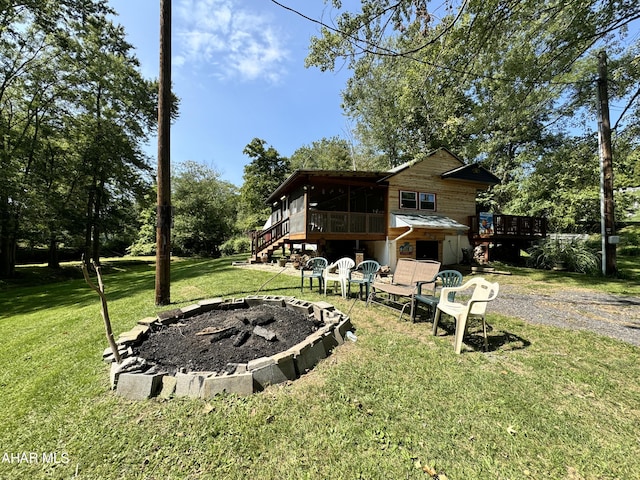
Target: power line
[{"x": 369, "y": 47}]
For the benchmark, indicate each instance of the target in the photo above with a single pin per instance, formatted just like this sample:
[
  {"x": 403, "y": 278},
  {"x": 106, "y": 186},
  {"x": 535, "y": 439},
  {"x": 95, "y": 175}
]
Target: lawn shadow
[{"x": 498, "y": 340}]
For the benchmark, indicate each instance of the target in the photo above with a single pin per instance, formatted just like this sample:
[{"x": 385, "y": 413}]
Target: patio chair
[
  {"x": 483, "y": 293},
  {"x": 367, "y": 270},
  {"x": 338, "y": 272},
  {"x": 314, "y": 268},
  {"x": 447, "y": 278},
  {"x": 407, "y": 274}
]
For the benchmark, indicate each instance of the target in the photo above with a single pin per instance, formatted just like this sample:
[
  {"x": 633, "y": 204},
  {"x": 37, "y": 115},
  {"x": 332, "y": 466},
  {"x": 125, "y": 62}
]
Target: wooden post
[
  {"x": 163, "y": 226},
  {"x": 607, "y": 223}
]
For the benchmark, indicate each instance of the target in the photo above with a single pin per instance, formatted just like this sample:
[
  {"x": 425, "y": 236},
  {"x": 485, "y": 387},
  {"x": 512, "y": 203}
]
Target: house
[{"x": 423, "y": 209}]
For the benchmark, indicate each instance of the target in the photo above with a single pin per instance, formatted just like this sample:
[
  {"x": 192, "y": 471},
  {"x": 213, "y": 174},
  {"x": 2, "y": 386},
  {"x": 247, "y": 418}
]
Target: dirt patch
[{"x": 216, "y": 340}]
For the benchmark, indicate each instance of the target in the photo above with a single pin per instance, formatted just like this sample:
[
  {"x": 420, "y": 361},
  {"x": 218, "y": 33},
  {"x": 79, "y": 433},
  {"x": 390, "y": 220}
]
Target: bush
[
  {"x": 572, "y": 255},
  {"x": 235, "y": 245}
]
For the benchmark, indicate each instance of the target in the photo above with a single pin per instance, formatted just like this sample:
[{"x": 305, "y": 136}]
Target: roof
[
  {"x": 422, "y": 220},
  {"x": 472, "y": 173},
  {"x": 303, "y": 177}
]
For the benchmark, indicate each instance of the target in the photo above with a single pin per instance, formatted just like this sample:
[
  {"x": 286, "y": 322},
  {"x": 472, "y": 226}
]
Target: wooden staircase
[{"x": 269, "y": 239}]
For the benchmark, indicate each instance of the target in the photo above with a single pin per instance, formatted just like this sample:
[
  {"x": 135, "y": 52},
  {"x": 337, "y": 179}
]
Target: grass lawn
[{"x": 395, "y": 404}]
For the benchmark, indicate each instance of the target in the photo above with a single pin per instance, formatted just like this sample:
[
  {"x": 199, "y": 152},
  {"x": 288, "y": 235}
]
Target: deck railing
[
  {"x": 511, "y": 226},
  {"x": 319, "y": 222},
  {"x": 269, "y": 236}
]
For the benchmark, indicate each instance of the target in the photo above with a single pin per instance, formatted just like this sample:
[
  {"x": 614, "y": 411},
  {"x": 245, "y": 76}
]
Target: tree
[
  {"x": 74, "y": 110},
  {"x": 205, "y": 210},
  {"x": 504, "y": 83},
  {"x": 266, "y": 171},
  {"x": 325, "y": 154}
]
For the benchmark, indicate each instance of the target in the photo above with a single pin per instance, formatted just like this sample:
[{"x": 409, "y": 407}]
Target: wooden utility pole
[
  {"x": 163, "y": 225},
  {"x": 607, "y": 222}
]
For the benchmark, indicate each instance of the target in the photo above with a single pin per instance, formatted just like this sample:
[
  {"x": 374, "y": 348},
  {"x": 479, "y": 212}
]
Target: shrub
[
  {"x": 573, "y": 255},
  {"x": 234, "y": 245}
]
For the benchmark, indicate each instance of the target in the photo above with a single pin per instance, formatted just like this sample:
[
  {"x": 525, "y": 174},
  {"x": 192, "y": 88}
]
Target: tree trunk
[{"x": 54, "y": 260}]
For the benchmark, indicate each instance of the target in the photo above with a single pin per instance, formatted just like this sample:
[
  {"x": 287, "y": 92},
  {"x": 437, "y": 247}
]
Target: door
[{"x": 426, "y": 250}]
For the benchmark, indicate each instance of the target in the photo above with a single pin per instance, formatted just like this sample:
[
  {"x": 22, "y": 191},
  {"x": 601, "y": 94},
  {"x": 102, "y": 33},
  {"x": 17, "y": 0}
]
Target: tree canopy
[
  {"x": 262, "y": 175},
  {"x": 74, "y": 112},
  {"x": 508, "y": 83}
]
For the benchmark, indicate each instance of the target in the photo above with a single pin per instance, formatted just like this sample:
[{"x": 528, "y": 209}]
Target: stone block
[
  {"x": 168, "y": 386},
  {"x": 138, "y": 386},
  {"x": 329, "y": 341},
  {"x": 134, "y": 335},
  {"x": 239, "y": 383},
  {"x": 308, "y": 355},
  {"x": 190, "y": 384},
  {"x": 254, "y": 300},
  {"x": 300, "y": 305},
  {"x": 286, "y": 364},
  {"x": 276, "y": 301},
  {"x": 128, "y": 365},
  {"x": 148, "y": 321},
  {"x": 332, "y": 317},
  {"x": 210, "y": 304},
  {"x": 191, "y": 311},
  {"x": 320, "y": 309},
  {"x": 233, "y": 304},
  {"x": 169, "y": 316},
  {"x": 342, "y": 328},
  {"x": 124, "y": 351}
]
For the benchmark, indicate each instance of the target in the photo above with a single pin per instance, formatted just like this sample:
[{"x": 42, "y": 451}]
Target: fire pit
[{"x": 235, "y": 345}]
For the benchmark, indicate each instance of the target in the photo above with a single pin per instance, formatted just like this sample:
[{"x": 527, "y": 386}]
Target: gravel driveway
[{"x": 611, "y": 315}]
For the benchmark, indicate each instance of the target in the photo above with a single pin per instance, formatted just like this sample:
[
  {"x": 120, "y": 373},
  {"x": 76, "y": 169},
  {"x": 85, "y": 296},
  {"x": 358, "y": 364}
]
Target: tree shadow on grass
[{"x": 122, "y": 278}]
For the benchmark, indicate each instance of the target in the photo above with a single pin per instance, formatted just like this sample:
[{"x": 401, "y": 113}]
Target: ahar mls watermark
[{"x": 51, "y": 458}]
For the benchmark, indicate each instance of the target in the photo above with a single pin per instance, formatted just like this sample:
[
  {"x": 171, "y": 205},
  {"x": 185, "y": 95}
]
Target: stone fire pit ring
[{"x": 136, "y": 378}]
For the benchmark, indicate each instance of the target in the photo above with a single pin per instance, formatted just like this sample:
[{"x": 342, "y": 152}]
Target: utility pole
[
  {"x": 607, "y": 217},
  {"x": 163, "y": 225}
]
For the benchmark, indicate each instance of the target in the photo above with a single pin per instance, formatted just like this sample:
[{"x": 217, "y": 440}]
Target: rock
[{"x": 264, "y": 333}]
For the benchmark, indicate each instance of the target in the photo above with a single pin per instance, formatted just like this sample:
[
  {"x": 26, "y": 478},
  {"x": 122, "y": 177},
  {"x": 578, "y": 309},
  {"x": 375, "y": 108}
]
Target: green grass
[{"x": 546, "y": 403}]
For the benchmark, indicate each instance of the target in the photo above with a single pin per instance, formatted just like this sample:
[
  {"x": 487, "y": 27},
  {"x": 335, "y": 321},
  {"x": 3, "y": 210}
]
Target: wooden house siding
[{"x": 454, "y": 199}]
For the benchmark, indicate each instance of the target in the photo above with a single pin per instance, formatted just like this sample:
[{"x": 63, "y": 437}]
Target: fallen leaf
[
  {"x": 431, "y": 471},
  {"x": 511, "y": 430}
]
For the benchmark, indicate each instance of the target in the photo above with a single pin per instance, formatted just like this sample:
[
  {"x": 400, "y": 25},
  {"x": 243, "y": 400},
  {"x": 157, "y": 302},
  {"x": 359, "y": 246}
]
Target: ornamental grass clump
[{"x": 572, "y": 255}]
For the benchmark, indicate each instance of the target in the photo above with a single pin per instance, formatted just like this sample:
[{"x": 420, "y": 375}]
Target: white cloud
[{"x": 232, "y": 40}]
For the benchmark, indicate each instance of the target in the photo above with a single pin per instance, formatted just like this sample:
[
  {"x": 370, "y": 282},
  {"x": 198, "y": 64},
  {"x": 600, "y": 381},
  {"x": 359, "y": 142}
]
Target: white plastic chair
[
  {"x": 342, "y": 269},
  {"x": 483, "y": 293}
]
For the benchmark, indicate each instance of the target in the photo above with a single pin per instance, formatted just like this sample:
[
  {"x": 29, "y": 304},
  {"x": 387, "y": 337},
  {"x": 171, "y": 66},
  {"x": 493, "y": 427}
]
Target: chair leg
[
  {"x": 484, "y": 330},
  {"x": 436, "y": 317},
  {"x": 461, "y": 325},
  {"x": 413, "y": 310}
]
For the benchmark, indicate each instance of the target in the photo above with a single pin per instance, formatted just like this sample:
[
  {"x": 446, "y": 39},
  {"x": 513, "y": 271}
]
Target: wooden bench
[{"x": 404, "y": 282}]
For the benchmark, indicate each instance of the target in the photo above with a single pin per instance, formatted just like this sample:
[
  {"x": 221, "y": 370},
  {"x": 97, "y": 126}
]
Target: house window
[
  {"x": 427, "y": 201},
  {"x": 409, "y": 200}
]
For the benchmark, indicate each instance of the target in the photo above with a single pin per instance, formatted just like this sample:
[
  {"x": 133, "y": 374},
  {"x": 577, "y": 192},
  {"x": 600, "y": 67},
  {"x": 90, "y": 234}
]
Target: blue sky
[{"x": 238, "y": 68}]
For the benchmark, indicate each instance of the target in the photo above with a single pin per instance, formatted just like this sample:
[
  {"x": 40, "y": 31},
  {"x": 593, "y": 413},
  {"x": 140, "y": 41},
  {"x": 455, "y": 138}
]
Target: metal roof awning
[{"x": 426, "y": 221}]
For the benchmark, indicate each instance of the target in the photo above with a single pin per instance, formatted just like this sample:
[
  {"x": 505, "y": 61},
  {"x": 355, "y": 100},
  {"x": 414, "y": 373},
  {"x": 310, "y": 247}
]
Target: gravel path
[{"x": 611, "y": 315}]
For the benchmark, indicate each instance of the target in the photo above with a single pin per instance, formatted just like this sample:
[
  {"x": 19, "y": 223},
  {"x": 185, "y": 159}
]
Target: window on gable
[
  {"x": 427, "y": 201},
  {"x": 409, "y": 200}
]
